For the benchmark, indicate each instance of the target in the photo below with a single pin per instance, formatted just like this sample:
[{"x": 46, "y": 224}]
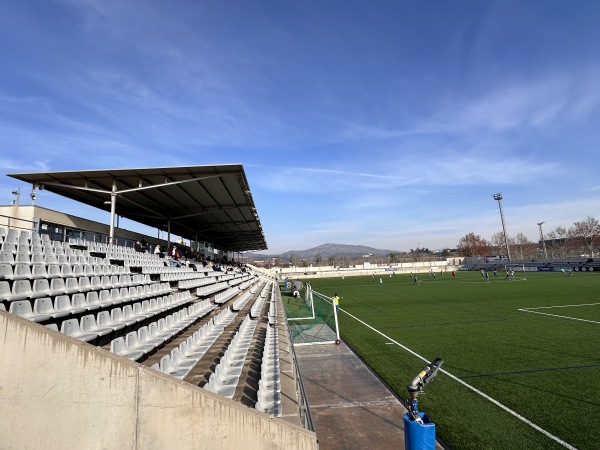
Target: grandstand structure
[
  {"x": 570, "y": 264},
  {"x": 108, "y": 347}
]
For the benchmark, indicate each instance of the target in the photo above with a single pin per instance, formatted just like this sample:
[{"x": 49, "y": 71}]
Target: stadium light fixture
[
  {"x": 498, "y": 198},
  {"x": 543, "y": 240},
  {"x": 17, "y": 195}
]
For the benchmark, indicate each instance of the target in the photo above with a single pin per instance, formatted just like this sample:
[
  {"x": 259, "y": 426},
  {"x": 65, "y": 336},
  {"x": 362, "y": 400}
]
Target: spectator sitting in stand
[{"x": 144, "y": 244}]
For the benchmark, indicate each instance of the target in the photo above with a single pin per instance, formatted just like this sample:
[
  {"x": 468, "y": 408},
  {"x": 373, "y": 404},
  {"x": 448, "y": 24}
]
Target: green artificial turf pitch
[{"x": 531, "y": 344}]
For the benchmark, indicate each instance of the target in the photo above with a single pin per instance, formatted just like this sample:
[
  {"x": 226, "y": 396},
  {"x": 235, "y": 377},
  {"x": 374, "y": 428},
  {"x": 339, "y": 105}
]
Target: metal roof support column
[
  {"x": 113, "y": 205},
  {"x": 168, "y": 233}
]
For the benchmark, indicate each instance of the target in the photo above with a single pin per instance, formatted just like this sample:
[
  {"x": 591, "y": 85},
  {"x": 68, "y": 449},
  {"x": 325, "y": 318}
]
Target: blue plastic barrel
[{"x": 419, "y": 436}]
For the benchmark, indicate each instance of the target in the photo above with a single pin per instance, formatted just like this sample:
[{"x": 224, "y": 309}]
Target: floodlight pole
[
  {"x": 543, "y": 240},
  {"x": 498, "y": 198}
]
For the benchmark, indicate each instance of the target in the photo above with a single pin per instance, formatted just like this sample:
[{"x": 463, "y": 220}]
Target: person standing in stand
[{"x": 174, "y": 254}]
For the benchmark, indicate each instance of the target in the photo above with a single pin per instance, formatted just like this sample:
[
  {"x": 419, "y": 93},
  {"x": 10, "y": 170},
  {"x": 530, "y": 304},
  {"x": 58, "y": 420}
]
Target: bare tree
[
  {"x": 414, "y": 255},
  {"x": 524, "y": 247},
  {"x": 318, "y": 259},
  {"x": 473, "y": 245},
  {"x": 293, "y": 260},
  {"x": 498, "y": 243},
  {"x": 331, "y": 260},
  {"x": 556, "y": 241},
  {"x": 587, "y": 234}
]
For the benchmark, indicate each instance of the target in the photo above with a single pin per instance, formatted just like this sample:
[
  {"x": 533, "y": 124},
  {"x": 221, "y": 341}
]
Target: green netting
[
  {"x": 318, "y": 325},
  {"x": 324, "y": 309}
]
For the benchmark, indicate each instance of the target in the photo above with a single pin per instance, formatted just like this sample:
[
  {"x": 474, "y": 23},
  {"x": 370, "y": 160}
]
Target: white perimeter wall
[
  {"x": 379, "y": 270},
  {"x": 57, "y": 392}
]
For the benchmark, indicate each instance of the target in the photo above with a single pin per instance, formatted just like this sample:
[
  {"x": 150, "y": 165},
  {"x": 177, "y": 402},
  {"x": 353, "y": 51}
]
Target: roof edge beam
[{"x": 170, "y": 183}]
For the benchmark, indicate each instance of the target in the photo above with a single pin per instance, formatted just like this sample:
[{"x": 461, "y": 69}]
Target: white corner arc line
[
  {"x": 561, "y": 317},
  {"x": 468, "y": 386}
]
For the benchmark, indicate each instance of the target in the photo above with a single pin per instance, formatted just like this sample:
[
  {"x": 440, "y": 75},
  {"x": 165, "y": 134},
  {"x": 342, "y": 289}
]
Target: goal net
[{"x": 319, "y": 326}]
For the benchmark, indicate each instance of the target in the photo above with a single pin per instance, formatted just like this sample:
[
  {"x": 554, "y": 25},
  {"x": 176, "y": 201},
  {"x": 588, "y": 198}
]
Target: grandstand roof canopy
[{"x": 207, "y": 203}]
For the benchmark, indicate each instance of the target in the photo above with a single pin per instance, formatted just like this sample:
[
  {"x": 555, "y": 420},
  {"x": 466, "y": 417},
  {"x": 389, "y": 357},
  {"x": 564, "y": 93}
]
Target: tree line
[{"x": 582, "y": 238}]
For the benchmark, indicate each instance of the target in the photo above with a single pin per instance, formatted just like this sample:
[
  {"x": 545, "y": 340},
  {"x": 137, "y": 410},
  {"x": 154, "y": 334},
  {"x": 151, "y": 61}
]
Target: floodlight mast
[
  {"x": 543, "y": 240},
  {"x": 498, "y": 198}
]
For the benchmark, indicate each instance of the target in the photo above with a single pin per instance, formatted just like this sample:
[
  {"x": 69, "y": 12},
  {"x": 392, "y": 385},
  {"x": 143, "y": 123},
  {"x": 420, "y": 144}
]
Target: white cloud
[
  {"x": 23, "y": 166},
  {"x": 535, "y": 103},
  {"x": 468, "y": 168}
]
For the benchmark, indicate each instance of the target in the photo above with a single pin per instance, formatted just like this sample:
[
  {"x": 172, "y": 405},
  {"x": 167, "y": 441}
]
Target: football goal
[{"x": 320, "y": 326}]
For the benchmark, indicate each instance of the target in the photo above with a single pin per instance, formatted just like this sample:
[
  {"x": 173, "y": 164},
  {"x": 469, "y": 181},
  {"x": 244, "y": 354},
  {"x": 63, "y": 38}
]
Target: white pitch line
[
  {"x": 561, "y": 306},
  {"x": 468, "y": 386},
  {"x": 556, "y": 315}
]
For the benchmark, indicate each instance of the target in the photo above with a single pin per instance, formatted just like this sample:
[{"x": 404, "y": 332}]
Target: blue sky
[{"x": 389, "y": 124}]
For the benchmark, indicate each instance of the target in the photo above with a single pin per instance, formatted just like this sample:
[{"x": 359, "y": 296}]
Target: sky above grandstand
[{"x": 389, "y": 124}]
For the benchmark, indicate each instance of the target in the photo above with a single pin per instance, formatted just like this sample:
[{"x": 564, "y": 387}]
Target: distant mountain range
[{"x": 327, "y": 250}]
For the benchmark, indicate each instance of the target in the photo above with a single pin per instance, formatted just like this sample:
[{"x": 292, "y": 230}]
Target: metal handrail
[
  {"x": 305, "y": 415},
  {"x": 304, "y": 408},
  {"x": 17, "y": 219}
]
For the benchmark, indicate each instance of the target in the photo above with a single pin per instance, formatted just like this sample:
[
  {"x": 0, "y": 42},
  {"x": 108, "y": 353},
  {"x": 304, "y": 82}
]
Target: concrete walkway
[{"x": 350, "y": 406}]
